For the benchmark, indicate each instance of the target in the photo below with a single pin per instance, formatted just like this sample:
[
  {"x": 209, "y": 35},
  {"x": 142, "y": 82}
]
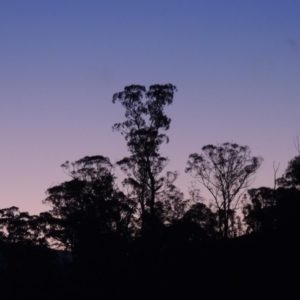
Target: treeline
[{"x": 145, "y": 234}]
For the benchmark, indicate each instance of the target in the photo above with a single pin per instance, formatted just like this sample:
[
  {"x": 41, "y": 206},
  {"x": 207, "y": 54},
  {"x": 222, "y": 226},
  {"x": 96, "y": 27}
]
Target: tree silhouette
[
  {"x": 226, "y": 170},
  {"x": 143, "y": 131},
  {"x": 276, "y": 210},
  {"x": 20, "y": 227},
  {"x": 291, "y": 177},
  {"x": 260, "y": 212},
  {"x": 89, "y": 208}
]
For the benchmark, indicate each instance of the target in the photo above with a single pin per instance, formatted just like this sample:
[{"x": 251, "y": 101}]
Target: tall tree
[
  {"x": 143, "y": 130},
  {"x": 227, "y": 171}
]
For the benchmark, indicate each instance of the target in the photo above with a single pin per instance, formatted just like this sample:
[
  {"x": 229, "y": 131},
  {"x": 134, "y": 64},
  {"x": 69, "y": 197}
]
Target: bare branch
[
  {"x": 297, "y": 144},
  {"x": 275, "y": 169}
]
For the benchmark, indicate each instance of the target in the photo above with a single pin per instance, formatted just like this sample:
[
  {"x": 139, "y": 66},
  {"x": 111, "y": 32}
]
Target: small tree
[{"x": 227, "y": 171}]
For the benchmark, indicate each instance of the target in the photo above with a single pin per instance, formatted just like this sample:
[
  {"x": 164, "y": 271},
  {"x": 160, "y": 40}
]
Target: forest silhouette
[{"x": 144, "y": 238}]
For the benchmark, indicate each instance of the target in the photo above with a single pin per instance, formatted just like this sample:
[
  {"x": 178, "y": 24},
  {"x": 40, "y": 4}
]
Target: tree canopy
[
  {"x": 143, "y": 130},
  {"x": 226, "y": 170}
]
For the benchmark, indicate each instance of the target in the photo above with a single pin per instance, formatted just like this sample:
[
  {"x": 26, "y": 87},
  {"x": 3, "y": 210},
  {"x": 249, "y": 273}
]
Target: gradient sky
[{"x": 236, "y": 65}]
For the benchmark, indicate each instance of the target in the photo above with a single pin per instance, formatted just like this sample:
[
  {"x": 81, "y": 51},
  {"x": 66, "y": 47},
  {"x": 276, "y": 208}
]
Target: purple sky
[{"x": 236, "y": 65}]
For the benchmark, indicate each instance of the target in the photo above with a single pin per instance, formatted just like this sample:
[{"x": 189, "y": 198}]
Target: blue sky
[{"x": 236, "y": 65}]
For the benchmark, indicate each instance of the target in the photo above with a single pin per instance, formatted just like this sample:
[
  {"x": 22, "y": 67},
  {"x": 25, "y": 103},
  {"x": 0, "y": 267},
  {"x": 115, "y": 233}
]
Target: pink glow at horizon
[{"x": 236, "y": 65}]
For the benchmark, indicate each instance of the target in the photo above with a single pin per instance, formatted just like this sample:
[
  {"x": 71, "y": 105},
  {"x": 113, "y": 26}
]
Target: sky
[{"x": 236, "y": 65}]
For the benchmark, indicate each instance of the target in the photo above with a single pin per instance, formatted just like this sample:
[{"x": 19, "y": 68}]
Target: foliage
[
  {"x": 20, "y": 227},
  {"x": 291, "y": 177},
  {"x": 226, "y": 170},
  {"x": 260, "y": 211},
  {"x": 143, "y": 131},
  {"x": 276, "y": 210},
  {"x": 89, "y": 206}
]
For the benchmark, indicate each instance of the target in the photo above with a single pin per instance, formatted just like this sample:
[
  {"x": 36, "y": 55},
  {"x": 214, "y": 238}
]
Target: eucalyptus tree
[
  {"x": 276, "y": 209},
  {"x": 143, "y": 130},
  {"x": 260, "y": 211},
  {"x": 21, "y": 227},
  {"x": 291, "y": 176},
  {"x": 227, "y": 171},
  {"x": 88, "y": 207}
]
